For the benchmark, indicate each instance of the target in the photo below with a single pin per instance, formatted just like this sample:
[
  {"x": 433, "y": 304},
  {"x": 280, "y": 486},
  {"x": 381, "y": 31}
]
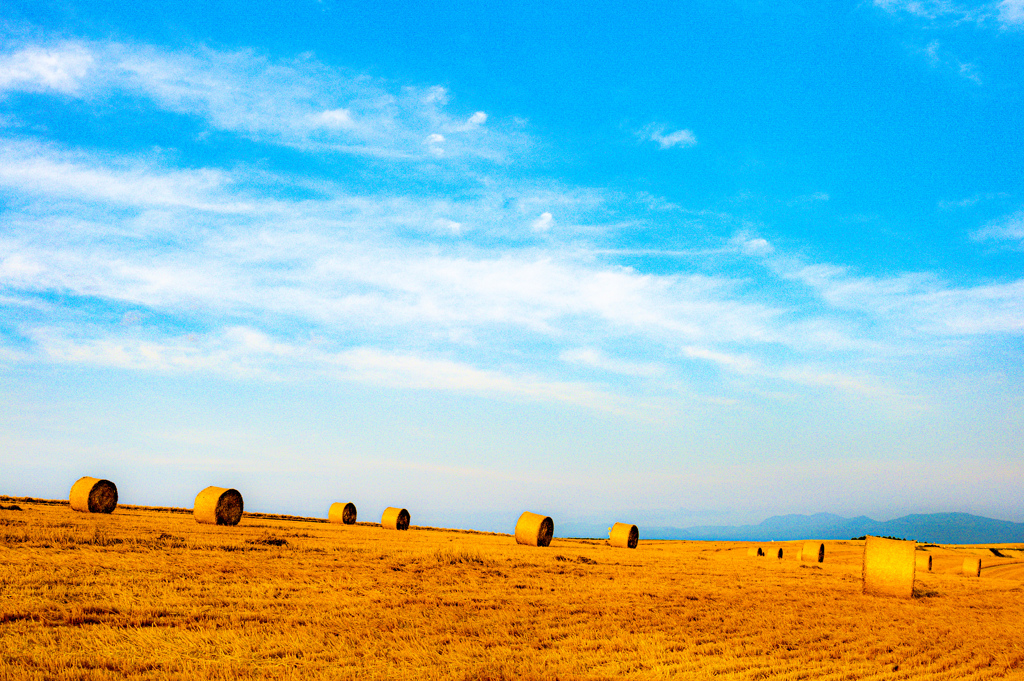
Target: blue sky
[{"x": 671, "y": 264}]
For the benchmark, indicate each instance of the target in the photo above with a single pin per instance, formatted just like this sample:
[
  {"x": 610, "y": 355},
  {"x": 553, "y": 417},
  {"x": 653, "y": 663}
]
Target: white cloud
[
  {"x": 1011, "y": 12},
  {"x": 378, "y": 279},
  {"x": 593, "y": 357},
  {"x": 407, "y": 371},
  {"x": 336, "y": 118},
  {"x": 939, "y": 58},
  {"x": 971, "y": 200},
  {"x": 1005, "y": 13},
  {"x": 334, "y": 265},
  {"x": 1010, "y": 228},
  {"x": 916, "y": 304},
  {"x": 679, "y": 138},
  {"x": 808, "y": 199},
  {"x": 33, "y": 168},
  {"x": 450, "y": 226},
  {"x": 937, "y": 9},
  {"x": 434, "y": 142},
  {"x": 752, "y": 245},
  {"x": 249, "y": 353},
  {"x": 542, "y": 223},
  {"x": 800, "y": 375},
  {"x": 299, "y": 103},
  {"x": 61, "y": 68}
]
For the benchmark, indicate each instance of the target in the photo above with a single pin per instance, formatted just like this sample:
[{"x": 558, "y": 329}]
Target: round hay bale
[
  {"x": 534, "y": 529},
  {"x": 812, "y": 552},
  {"x": 218, "y": 506},
  {"x": 780, "y": 554},
  {"x": 395, "y": 519},
  {"x": 924, "y": 561},
  {"x": 344, "y": 513},
  {"x": 93, "y": 495},
  {"x": 624, "y": 536},
  {"x": 972, "y": 567},
  {"x": 754, "y": 551},
  {"x": 889, "y": 567}
]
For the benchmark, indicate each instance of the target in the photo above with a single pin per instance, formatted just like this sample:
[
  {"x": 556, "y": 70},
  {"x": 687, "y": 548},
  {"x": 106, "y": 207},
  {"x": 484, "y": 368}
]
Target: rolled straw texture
[
  {"x": 218, "y": 506},
  {"x": 395, "y": 519},
  {"x": 534, "y": 529},
  {"x": 754, "y": 551},
  {"x": 889, "y": 567},
  {"x": 972, "y": 567},
  {"x": 624, "y": 536},
  {"x": 924, "y": 562},
  {"x": 93, "y": 495},
  {"x": 342, "y": 513},
  {"x": 812, "y": 552}
]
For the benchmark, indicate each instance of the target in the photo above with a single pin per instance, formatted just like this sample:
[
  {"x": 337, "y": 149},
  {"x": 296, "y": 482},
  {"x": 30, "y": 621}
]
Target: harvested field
[{"x": 150, "y": 594}]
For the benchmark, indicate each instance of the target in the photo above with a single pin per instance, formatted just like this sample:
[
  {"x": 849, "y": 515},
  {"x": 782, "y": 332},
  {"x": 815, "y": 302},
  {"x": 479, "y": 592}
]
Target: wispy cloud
[
  {"x": 60, "y": 68},
  {"x": 969, "y": 201},
  {"x": 937, "y": 9},
  {"x": 1011, "y": 12},
  {"x": 808, "y": 199},
  {"x": 1005, "y": 14},
  {"x": 140, "y": 262},
  {"x": 939, "y": 58},
  {"x": 249, "y": 353},
  {"x": 667, "y": 140},
  {"x": 1009, "y": 228},
  {"x": 543, "y": 222},
  {"x": 34, "y": 168},
  {"x": 911, "y": 304},
  {"x": 745, "y": 365},
  {"x": 299, "y": 103},
  {"x": 596, "y": 358}
]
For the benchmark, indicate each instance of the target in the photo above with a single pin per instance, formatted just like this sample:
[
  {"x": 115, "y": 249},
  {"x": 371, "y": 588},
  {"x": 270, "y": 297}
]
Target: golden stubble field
[{"x": 150, "y": 594}]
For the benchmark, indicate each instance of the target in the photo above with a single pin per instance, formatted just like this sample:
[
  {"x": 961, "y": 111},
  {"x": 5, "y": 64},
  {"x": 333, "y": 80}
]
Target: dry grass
[{"x": 145, "y": 594}]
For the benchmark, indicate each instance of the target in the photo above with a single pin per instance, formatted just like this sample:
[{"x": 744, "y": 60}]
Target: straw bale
[
  {"x": 924, "y": 561},
  {"x": 754, "y": 551},
  {"x": 534, "y": 529},
  {"x": 812, "y": 552},
  {"x": 93, "y": 495},
  {"x": 972, "y": 567},
  {"x": 889, "y": 567},
  {"x": 395, "y": 519},
  {"x": 624, "y": 536},
  {"x": 342, "y": 513},
  {"x": 779, "y": 554},
  {"x": 218, "y": 506}
]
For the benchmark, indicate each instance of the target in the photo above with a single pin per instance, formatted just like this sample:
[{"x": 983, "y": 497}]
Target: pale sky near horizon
[{"x": 667, "y": 263}]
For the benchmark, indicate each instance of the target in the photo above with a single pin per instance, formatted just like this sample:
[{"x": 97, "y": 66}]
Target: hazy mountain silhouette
[{"x": 935, "y": 528}]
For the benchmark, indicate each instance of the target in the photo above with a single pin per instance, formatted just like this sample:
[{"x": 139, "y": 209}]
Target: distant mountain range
[{"x": 932, "y": 528}]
